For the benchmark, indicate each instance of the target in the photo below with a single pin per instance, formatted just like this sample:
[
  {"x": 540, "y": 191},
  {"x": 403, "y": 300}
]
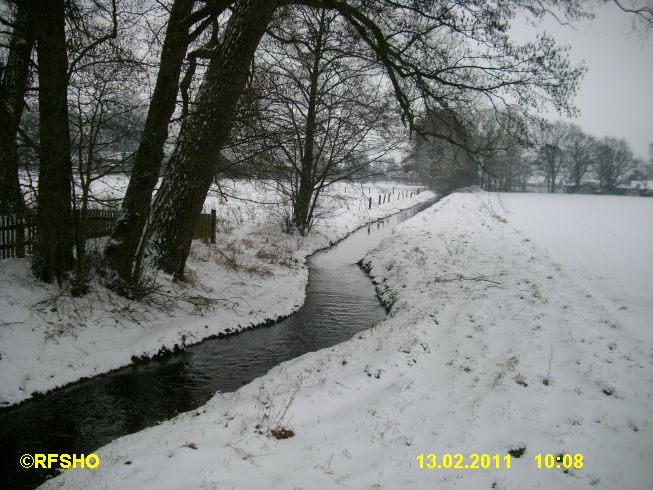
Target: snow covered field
[
  {"x": 606, "y": 242},
  {"x": 253, "y": 274},
  {"x": 494, "y": 344}
]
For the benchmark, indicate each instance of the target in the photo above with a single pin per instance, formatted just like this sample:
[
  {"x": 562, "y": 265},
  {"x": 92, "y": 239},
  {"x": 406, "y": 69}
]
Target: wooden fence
[
  {"x": 17, "y": 233},
  {"x": 205, "y": 227},
  {"x": 100, "y": 222}
]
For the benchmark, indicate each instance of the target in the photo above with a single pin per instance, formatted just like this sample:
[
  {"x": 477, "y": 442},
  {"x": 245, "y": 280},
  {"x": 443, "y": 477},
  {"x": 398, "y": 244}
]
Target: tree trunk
[
  {"x": 204, "y": 130},
  {"x": 305, "y": 191},
  {"x": 577, "y": 175},
  {"x": 124, "y": 243},
  {"x": 53, "y": 247},
  {"x": 13, "y": 85},
  {"x": 303, "y": 202},
  {"x": 81, "y": 216},
  {"x": 306, "y": 185}
]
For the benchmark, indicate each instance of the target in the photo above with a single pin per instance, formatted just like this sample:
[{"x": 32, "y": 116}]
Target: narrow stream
[{"x": 86, "y": 415}]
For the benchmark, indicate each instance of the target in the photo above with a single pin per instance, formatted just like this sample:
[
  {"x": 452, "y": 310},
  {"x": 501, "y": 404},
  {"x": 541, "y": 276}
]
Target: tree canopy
[{"x": 444, "y": 62}]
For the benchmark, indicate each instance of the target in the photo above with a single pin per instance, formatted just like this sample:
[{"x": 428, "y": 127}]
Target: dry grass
[
  {"x": 234, "y": 257},
  {"x": 277, "y": 254},
  {"x": 421, "y": 256},
  {"x": 499, "y": 218}
]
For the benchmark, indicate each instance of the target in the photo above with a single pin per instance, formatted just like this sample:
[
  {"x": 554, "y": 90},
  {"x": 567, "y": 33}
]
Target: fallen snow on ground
[
  {"x": 490, "y": 347},
  {"x": 255, "y": 273},
  {"x": 605, "y": 242}
]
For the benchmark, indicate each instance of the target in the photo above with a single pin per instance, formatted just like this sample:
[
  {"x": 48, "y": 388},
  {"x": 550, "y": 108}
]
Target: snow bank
[
  {"x": 490, "y": 347},
  {"x": 253, "y": 275}
]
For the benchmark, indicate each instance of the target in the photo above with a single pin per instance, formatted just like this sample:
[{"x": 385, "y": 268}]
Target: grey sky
[{"x": 616, "y": 95}]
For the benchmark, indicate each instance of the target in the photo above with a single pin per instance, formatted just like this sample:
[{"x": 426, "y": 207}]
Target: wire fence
[{"x": 17, "y": 232}]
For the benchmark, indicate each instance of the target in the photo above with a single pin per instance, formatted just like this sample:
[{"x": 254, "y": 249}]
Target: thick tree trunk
[
  {"x": 53, "y": 248},
  {"x": 124, "y": 243},
  {"x": 204, "y": 130},
  {"x": 13, "y": 85}
]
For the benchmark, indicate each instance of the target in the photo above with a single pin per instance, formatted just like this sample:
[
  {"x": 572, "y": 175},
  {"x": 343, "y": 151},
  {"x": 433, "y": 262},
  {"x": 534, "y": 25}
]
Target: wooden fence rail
[{"x": 17, "y": 233}]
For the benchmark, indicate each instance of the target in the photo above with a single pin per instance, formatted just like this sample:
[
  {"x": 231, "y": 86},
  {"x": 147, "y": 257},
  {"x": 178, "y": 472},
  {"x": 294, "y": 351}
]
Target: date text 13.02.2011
[{"x": 459, "y": 461}]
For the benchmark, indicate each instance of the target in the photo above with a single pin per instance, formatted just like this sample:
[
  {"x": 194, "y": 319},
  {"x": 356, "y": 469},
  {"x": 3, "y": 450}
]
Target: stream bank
[{"x": 340, "y": 301}]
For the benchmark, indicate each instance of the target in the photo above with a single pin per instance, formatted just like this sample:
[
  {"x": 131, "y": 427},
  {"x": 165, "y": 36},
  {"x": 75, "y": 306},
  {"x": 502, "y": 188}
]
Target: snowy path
[{"x": 490, "y": 347}]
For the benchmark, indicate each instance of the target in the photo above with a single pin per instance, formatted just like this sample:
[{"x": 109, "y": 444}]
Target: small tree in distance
[
  {"x": 614, "y": 163},
  {"x": 579, "y": 154},
  {"x": 551, "y": 154}
]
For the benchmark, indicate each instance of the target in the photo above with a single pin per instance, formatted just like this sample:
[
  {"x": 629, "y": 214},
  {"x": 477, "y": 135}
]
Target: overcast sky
[{"x": 616, "y": 95}]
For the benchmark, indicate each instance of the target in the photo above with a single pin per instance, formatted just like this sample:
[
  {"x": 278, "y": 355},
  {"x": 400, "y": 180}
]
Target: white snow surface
[
  {"x": 490, "y": 346},
  {"x": 253, "y": 273},
  {"x": 604, "y": 241}
]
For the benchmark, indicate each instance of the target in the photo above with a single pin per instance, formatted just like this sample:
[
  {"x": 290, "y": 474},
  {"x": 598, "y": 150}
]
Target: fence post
[
  {"x": 389, "y": 197},
  {"x": 370, "y": 205},
  {"x": 379, "y": 199},
  {"x": 20, "y": 237},
  {"x": 214, "y": 225}
]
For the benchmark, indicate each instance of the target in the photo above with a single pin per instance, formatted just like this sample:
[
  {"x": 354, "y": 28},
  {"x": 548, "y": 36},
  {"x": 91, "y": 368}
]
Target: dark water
[{"x": 84, "y": 416}]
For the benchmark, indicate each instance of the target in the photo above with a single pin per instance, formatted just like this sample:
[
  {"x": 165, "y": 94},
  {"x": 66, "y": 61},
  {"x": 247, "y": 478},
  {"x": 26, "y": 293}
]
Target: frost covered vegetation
[
  {"x": 253, "y": 275},
  {"x": 498, "y": 341}
]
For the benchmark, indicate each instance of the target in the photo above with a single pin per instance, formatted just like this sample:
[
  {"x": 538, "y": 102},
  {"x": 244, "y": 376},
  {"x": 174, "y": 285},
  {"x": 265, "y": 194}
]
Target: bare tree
[
  {"x": 502, "y": 164},
  {"x": 102, "y": 117},
  {"x": 121, "y": 251},
  {"x": 642, "y": 11},
  {"x": 14, "y": 78},
  {"x": 551, "y": 154},
  {"x": 579, "y": 154},
  {"x": 203, "y": 132},
  {"x": 325, "y": 112},
  {"x": 614, "y": 162},
  {"x": 53, "y": 248},
  {"x": 444, "y": 166},
  {"x": 59, "y": 55}
]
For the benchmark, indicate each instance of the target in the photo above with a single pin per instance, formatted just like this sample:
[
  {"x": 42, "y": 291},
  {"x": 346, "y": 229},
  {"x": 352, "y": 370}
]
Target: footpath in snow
[
  {"x": 490, "y": 348},
  {"x": 253, "y": 275}
]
